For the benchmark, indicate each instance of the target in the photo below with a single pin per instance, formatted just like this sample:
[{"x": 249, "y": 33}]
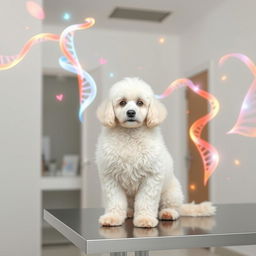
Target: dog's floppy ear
[
  {"x": 105, "y": 114},
  {"x": 156, "y": 113}
]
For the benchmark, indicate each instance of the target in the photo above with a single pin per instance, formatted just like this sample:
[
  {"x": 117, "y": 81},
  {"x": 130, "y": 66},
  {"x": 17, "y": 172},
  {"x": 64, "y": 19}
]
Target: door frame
[
  {"x": 86, "y": 162},
  {"x": 210, "y": 66}
]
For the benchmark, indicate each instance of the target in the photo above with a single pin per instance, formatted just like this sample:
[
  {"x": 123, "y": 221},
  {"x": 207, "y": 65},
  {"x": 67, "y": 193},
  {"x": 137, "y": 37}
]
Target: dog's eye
[
  {"x": 140, "y": 103},
  {"x": 122, "y": 103}
]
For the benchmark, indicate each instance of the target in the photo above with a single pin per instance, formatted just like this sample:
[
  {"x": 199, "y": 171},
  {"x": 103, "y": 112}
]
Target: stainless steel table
[{"x": 234, "y": 224}]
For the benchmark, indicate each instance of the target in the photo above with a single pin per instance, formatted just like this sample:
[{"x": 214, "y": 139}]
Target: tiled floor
[{"x": 70, "y": 250}]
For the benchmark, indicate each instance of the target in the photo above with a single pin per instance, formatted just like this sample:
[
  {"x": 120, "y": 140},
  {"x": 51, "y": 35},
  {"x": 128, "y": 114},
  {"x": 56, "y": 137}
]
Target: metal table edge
[
  {"x": 71, "y": 235},
  {"x": 169, "y": 243}
]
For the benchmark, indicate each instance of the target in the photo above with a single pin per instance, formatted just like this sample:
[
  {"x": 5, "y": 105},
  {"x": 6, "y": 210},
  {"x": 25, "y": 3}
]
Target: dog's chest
[{"x": 131, "y": 160}]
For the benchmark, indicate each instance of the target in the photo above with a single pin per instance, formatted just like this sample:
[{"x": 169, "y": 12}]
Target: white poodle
[{"x": 135, "y": 167}]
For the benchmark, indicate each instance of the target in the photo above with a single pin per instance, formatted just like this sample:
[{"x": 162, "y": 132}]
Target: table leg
[
  {"x": 137, "y": 253},
  {"x": 141, "y": 253},
  {"x": 118, "y": 254}
]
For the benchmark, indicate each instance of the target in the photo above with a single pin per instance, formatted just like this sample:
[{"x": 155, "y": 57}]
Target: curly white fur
[{"x": 135, "y": 167}]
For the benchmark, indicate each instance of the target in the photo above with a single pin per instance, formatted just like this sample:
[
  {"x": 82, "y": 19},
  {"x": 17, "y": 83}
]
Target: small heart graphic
[
  {"x": 102, "y": 61},
  {"x": 59, "y": 97}
]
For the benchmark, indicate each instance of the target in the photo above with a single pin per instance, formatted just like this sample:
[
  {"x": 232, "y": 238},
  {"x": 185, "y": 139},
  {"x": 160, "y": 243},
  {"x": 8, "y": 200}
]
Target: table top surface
[{"x": 233, "y": 224}]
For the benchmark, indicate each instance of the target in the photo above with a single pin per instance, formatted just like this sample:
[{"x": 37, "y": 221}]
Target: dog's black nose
[{"x": 130, "y": 113}]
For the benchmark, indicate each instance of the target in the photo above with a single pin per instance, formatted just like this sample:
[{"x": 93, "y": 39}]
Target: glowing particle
[
  {"x": 245, "y": 106},
  {"x": 111, "y": 74},
  {"x": 237, "y": 162},
  {"x": 66, "y": 16},
  {"x": 224, "y": 78},
  {"x": 196, "y": 88},
  {"x": 215, "y": 157},
  {"x": 192, "y": 187},
  {"x": 103, "y": 61},
  {"x": 35, "y": 10},
  {"x": 59, "y": 97},
  {"x": 27, "y": 27},
  {"x": 161, "y": 40}
]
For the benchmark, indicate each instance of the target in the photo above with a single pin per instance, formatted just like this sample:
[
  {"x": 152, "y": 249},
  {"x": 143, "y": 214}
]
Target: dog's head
[{"x": 131, "y": 104}]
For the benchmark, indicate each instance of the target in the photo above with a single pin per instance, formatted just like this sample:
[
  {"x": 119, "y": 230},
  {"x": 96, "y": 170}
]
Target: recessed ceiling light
[{"x": 139, "y": 14}]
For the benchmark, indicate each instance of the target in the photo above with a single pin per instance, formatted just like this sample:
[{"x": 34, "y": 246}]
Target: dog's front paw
[
  {"x": 145, "y": 221},
  {"x": 168, "y": 214},
  {"x": 110, "y": 219}
]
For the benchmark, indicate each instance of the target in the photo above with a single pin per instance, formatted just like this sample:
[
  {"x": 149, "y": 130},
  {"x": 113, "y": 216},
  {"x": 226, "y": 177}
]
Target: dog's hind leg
[
  {"x": 171, "y": 204},
  {"x": 171, "y": 199}
]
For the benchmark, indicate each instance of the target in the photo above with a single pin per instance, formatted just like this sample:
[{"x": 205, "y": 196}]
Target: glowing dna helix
[
  {"x": 208, "y": 153},
  {"x": 70, "y": 62},
  {"x": 246, "y": 122},
  {"x": 86, "y": 84},
  {"x": 7, "y": 62}
]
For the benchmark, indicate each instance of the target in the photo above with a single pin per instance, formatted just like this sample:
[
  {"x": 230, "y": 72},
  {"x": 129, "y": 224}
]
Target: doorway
[{"x": 196, "y": 108}]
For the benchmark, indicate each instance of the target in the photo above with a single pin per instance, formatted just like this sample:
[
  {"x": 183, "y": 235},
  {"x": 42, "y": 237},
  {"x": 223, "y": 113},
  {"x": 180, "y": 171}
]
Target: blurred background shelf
[{"x": 54, "y": 183}]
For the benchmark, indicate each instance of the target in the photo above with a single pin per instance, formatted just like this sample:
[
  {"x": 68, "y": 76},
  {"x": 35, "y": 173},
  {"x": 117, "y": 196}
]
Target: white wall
[
  {"x": 131, "y": 54},
  {"x": 227, "y": 29},
  {"x": 20, "y": 132}
]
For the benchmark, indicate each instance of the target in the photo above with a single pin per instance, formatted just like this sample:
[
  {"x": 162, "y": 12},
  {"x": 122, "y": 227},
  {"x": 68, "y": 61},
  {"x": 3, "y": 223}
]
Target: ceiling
[{"x": 184, "y": 13}]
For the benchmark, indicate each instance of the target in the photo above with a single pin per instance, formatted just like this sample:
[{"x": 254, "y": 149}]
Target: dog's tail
[{"x": 197, "y": 210}]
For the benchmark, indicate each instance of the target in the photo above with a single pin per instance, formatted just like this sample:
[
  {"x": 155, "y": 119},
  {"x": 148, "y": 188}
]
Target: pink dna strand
[
  {"x": 7, "y": 62},
  {"x": 246, "y": 121},
  {"x": 208, "y": 153},
  {"x": 70, "y": 62}
]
